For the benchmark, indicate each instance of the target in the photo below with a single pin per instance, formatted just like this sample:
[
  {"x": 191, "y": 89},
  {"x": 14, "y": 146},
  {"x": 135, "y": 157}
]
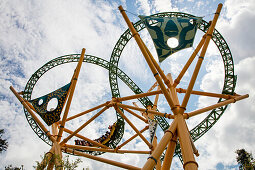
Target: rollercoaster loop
[{"x": 114, "y": 72}]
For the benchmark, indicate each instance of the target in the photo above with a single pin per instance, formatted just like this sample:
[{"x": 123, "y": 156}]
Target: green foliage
[
  {"x": 65, "y": 162},
  {"x": 70, "y": 165},
  {"x": 245, "y": 160},
  {"x": 3, "y": 142}
]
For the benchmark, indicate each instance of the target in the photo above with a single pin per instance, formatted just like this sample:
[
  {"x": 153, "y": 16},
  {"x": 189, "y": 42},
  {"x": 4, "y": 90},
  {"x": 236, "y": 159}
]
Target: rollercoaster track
[
  {"x": 75, "y": 58},
  {"x": 229, "y": 81},
  {"x": 115, "y": 72}
]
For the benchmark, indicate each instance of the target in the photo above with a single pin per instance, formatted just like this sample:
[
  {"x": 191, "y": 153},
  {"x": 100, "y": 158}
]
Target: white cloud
[
  {"x": 163, "y": 6},
  {"x": 238, "y": 28},
  {"x": 235, "y": 129}
]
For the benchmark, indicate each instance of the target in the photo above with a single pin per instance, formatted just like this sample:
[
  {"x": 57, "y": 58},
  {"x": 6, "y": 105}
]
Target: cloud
[
  {"x": 235, "y": 128},
  {"x": 237, "y": 28}
]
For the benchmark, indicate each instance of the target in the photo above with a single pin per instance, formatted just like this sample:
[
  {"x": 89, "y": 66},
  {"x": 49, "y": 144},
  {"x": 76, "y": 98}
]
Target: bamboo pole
[
  {"x": 145, "y": 115},
  {"x": 58, "y": 156},
  {"x": 136, "y": 96},
  {"x": 136, "y": 115},
  {"x": 23, "y": 102},
  {"x": 173, "y": 90},
  {"x": 209, "y": 94},
  {"x": 195, "y": 151},
  {"x": 170, "y": 116},
  {"x": 84, "y": 125},
  {"x": 54, "y": 130},
  {"x": 86, "y": 139},
  {"x": 169, "y": 153},
  {"x": 133, "y": 137},
  {"x": 133, "y": 126},
  {"x": 205, "y": 109},
  {"x": 147, "y": 57},
  {"x": 161, "y": 73},
  {"x": 87, "y": 111},
  {"x": 156, "y": 101},
  {"x": 200, "y": 60},
  {"x": 155, "y": 144},
  {"x": 150, "y": 163},
  {"x": 46, "y": 159},
  {"x": 188, "y": 63},
  {"x": 111, "y": 162},
  {"x": 30, "y": 105},
  {"x": 186, "y": 148},
  {"x": 70, "y": 97},
  {"x": 51, "y": 164},
  {"x": 153, "y": 86},
  {"x": 105, "y": 150}
]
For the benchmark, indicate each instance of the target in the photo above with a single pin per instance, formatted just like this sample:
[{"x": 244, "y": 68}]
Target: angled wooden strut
[
  {"x": 70, "y": 96},
  {"x": 24, "y": 103},
  {"x": 179, "y": 126}
]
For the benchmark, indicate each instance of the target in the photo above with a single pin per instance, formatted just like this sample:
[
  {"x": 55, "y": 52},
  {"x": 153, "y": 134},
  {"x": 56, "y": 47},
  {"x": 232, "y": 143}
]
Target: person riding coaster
[{"x": 103, "y": 139}]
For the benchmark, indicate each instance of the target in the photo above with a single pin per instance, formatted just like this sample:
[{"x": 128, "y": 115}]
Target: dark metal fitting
[
  {"x": 186, "y": 114},
  {"x": 184, "y": 108},
  {"x": 188, "y": 163},
  {"x": 169, "y": 131},
  {"x": 153, "y": 159}
]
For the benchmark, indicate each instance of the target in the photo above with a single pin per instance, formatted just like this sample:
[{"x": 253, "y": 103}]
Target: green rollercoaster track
[
  {"x": 229, "y": 82},
  {"x": 115, "y": 72}
]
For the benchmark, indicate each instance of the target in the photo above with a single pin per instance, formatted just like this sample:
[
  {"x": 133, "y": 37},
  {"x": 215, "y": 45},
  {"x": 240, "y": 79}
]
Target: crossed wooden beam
[{"x": 166, "y": 86}]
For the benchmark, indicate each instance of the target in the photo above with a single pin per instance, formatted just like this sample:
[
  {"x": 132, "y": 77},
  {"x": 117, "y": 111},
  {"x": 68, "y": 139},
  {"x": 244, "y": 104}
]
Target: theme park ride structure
[{"x": 177, "y": 139}]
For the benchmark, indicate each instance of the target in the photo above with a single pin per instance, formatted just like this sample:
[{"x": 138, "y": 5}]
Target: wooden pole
[
  {"x": 57, "y": 149},
  {"x": 87, "y": 111},
  {"x": 161, "y": 73},
  {"x": 155, "y": 143},
  {"x": 133, "y": 137},
  {"x": 156, "y": 101},
  {"x": 152, "y": 87},
  {"x": 105, "y": 150},
  {"x": 46, "y": 159},
  {"x": 200, "y": 60},
  {"x": 136, "y": 96},
  {"x": 170, "y": 116},
  {"x": 186, "y": 147},
  {"x": 173, "y": 90},
  {"x": 147, "y": 57},
  {"x": 70, "y": 97},
  {"x": 209, "y": 94},
  {"x": 86, "y": 139},
  {"x": 84, "y": 125},
  {"x": 169, "y": 153},
  {"x": 136, "y": 115},
  {"x": 111, "y": 162},
  {"x": 151, "y": 162},
  {"x": 188, "y": 63},
  {"x": 133, "y": 126},
  {"x": 205, "y": 109},
  {"x": 23, "y": 102},
  {"x": 145, "y": 115}
]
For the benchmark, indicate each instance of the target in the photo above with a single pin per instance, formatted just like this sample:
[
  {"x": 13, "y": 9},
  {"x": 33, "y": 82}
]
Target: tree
[
  {"x": 65, "y": 162},
  {"x": 245, "y": 160},
  {"x": 3, "y": 142}
]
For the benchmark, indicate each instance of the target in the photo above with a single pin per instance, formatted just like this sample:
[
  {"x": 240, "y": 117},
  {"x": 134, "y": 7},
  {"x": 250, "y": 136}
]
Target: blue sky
[{"x": 33, "y": 33}]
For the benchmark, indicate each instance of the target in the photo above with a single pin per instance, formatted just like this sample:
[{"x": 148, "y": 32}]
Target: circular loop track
[{"x": 229, "y": 82}]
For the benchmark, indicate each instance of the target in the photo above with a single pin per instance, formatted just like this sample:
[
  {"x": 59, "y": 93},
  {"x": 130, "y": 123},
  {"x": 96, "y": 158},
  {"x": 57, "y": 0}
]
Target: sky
[{"x": 35, "y": 32}]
